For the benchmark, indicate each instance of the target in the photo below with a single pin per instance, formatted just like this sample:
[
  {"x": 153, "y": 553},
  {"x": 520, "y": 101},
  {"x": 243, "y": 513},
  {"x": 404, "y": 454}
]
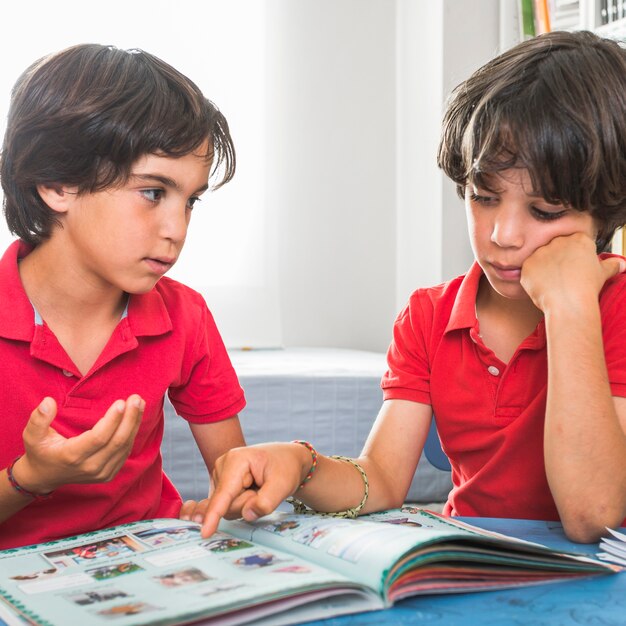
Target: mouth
[
  {"x": 159, "y": 265},
  {"x": 507, "y": 272}
]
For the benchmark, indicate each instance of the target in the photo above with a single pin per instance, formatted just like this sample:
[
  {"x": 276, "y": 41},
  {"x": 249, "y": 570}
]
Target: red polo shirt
[
  {"x": 489, "y": 414},
  {"x": 167, "y": 343}
]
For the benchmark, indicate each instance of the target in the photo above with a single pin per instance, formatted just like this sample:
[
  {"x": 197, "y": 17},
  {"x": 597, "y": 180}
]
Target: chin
[
  {"x": 510, "y": 291},
  {"x": 141, "y": 287}
]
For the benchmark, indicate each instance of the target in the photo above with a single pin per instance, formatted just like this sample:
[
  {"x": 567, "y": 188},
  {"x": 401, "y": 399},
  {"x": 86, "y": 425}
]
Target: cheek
[
  {"x": 479, "y": 229},
  {"x": 592, "y": 228},
  {"x": 543, "y": 236},
  {"x": 579, "y": 223},
  {"x": 472, "y": 222}
]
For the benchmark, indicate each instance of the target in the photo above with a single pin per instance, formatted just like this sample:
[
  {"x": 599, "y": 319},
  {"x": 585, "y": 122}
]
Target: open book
[{"x": 282, "y": 569}]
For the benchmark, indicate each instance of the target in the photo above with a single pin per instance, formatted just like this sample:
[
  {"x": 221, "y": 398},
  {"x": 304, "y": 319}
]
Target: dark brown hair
[
  {"x": 83, "y": 116},
  {"x": 555, "y": 105}
]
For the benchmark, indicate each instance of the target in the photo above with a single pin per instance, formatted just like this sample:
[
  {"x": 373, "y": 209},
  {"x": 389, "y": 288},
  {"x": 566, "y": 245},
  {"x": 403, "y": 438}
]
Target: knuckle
[
  {"x": 98, "y": 440},
  {"x": 262, "y": 506},
  {"x": 101, "y": 470},
  {"x": 92, "y": 469},
  {"x": 104, "y": 475},
  {"x": 234, "y": 454},
  {"x": 118, "y": 444},
  {"x": 70, "y": 459}
]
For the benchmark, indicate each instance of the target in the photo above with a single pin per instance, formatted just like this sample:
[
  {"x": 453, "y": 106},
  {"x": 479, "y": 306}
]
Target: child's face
[
  {"x": 508, "y": 225},
  {"x": 127, "y": 237}
]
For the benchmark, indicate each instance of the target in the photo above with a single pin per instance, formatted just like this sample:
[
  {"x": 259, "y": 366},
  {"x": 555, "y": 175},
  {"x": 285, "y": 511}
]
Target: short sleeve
[
  {"x": 408, "y": 373},
  {"x": 210, "y": 390}
]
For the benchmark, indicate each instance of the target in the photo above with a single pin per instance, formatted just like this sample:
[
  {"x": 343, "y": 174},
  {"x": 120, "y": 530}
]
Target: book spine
[
  {"x": 542, "y": 16},
  {"x": 527, "y": 19}
]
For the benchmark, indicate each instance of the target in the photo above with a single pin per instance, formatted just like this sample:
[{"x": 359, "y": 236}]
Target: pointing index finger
[{"x": 220, "y": 501}]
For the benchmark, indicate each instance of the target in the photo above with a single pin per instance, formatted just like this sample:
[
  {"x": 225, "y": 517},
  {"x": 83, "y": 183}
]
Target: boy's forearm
[
  {"x": 389, "y": 458},
  {"x": 337, "y": 486},
  {"x": 584, "y": 443},
  {"x": 216, "y": 438}
]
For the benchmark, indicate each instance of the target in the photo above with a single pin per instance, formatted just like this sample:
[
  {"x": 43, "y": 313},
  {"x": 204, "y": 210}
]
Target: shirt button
[
  {"x": 493, "y": 370},
  {"x": 67, "y": 373}
]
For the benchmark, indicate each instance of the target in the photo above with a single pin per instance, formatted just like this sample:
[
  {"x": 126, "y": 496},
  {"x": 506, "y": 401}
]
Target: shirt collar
[
  {"x": 148, "y": 314},
  {"x": 463, "y": 314},
  {"x": 17, "y": 316}
]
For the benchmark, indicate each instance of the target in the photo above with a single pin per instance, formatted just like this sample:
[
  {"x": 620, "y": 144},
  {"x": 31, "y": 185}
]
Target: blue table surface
[{"x": 594, "y": 601}]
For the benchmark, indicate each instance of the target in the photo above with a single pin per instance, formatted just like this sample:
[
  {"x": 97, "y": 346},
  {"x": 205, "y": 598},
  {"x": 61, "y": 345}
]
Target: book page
[
  {"x": 160, "y": 571},
  {"x": 363, "y": 550},
  {"x": 378, "y": 549}
]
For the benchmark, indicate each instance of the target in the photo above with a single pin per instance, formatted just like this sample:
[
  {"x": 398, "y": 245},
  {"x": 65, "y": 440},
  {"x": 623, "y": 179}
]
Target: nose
[
  {"x": 507, "y": 229},
  {"x": 174, "y": 222}
]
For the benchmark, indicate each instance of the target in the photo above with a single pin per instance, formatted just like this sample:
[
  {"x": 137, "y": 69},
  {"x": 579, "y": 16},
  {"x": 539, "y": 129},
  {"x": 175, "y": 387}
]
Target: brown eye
[
  {"x": 547, "y": 216},
  {"x": 192, "y": 202},
  {"x": 481, "y": 199}
]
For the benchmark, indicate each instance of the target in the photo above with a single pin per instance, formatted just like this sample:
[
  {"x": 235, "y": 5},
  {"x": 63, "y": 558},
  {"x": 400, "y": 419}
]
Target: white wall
[
  {"x": 355, "y": 97},
  {"x": 331, "y": 168},
  {"x": 419, "y": 89}
]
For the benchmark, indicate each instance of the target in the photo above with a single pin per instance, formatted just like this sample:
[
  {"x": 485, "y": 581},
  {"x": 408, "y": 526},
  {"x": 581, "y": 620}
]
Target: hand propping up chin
[{"x": 567, "y": 272}]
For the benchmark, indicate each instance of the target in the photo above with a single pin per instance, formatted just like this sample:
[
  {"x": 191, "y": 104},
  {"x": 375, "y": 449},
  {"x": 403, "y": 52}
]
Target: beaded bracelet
[
  {"x": 22, "y": 490},
  {"x": 313, "y": 452},
  {"x": 301, "y": 509}
]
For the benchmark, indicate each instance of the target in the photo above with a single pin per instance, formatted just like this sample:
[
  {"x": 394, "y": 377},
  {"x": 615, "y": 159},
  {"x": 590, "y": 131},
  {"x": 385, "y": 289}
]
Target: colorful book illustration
[{"x": 282, "y": 569}]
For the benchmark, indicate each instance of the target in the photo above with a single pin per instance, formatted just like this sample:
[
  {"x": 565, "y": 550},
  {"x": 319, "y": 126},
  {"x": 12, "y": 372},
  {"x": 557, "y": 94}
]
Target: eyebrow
[
  {"x": 164, "y": 180},
  {"x": 489, "y": 181}
]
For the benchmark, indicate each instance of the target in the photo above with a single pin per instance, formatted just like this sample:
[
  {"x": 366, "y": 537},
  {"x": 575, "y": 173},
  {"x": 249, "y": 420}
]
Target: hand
[
  {"x": 567, "y": 272},
  {"x": 51, "y": 460},
  {"x": 249, "y": 482}
]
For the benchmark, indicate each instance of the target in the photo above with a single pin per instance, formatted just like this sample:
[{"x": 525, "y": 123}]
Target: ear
[{"x": 58, "y": 197}]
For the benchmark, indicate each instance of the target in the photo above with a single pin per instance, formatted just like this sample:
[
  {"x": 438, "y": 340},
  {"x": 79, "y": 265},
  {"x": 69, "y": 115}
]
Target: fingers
[
  {"x": 223, "y": 498},
  {"x": 272, "y": 469},
  {"x": 40, "y": 419},
  {"x": 567, "y": 271},
  {"x": 94, "y": 456},
  {"x": 613, "y": 265},
  {"x": 192, "y": 510},
  {"x": 115, "y": 430},
  {"x": 120, "y": 423},
  {"x": 196, "y": 510},
  {"x": 107, "y": 445},
  {"x": 267, "y": 498},
  {"x": 188, "y": 509},
  {"x": 250, "y": 504}
]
